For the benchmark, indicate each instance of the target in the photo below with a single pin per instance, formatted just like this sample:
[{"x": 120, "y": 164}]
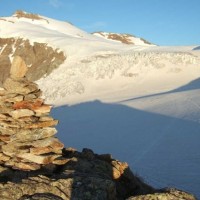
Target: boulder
[{"x": 18, "y": 68}]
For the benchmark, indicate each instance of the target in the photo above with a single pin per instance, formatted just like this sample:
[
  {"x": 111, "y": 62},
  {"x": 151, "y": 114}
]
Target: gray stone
[
  {"x": 33, "y": 135},
  {"x": 38, "y": 159},
  {"x": 19, "y": 86}
]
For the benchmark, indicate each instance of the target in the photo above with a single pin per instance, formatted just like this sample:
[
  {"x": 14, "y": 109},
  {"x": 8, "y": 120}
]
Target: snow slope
[
  {"x": 138, "y": 102},
  {"x": 157, "y": 135}
]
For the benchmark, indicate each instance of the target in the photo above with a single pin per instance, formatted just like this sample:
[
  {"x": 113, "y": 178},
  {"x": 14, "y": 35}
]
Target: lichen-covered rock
[
  {"x": 85, "y": 176},
  {"x": 166, "y": 194},
  {"x": 41, "y": 196}
]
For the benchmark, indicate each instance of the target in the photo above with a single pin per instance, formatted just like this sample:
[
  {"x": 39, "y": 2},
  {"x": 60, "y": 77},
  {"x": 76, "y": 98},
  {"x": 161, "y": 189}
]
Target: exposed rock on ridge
[
  {"x": 22, "y": 14},
  {"x": 40, "y": 58},
  {"x": 120, "y": 37}
]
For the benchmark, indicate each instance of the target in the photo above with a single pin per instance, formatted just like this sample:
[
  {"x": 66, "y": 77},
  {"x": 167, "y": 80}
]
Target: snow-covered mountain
[
  {"x": 63, "y": 35},
  {"x": 139, "y": 102},
  {"x": 88, "y": 66},
  {"x": 47, "y": 43}
]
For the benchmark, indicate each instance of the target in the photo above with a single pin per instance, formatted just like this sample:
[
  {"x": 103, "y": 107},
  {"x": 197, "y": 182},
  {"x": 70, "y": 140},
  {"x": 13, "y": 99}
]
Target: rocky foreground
[
  {"x": 85, "y": 176},
  {"x": 34, "y": 165}
]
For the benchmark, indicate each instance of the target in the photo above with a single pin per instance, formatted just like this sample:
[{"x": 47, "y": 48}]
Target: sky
[{"x": 162, "y": 22}]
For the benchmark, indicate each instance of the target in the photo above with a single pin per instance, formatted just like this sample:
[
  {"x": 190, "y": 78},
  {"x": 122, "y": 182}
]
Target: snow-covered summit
[
  {"x": 59, "y": 34},
  {"x": 24, "y": 22}
]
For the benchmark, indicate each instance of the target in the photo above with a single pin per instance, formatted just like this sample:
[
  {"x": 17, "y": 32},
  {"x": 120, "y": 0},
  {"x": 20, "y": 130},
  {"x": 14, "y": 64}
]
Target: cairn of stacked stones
[{"x": 27, "y": 140}]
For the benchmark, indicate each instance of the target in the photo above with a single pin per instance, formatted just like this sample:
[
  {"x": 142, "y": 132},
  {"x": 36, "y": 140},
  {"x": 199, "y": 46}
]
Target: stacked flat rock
[{"x": 27, "y": 131}]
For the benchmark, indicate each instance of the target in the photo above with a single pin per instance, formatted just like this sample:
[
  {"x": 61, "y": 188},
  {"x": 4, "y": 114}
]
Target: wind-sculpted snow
[{"x": 72, "y": 78}]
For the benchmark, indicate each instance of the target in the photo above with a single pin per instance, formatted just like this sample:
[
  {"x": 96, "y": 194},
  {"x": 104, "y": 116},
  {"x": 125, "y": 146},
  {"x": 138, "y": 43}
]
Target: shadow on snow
[
  {"x": 197, "y": 48},
  {"x": 163, "y": 150}
]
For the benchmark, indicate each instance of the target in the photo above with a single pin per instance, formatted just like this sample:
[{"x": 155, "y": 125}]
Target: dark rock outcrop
[{"x": 85, "y": 176}]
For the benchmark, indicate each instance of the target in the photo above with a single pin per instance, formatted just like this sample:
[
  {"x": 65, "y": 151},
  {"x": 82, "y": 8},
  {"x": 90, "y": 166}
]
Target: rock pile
[{"x": 27, "y": 139}]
